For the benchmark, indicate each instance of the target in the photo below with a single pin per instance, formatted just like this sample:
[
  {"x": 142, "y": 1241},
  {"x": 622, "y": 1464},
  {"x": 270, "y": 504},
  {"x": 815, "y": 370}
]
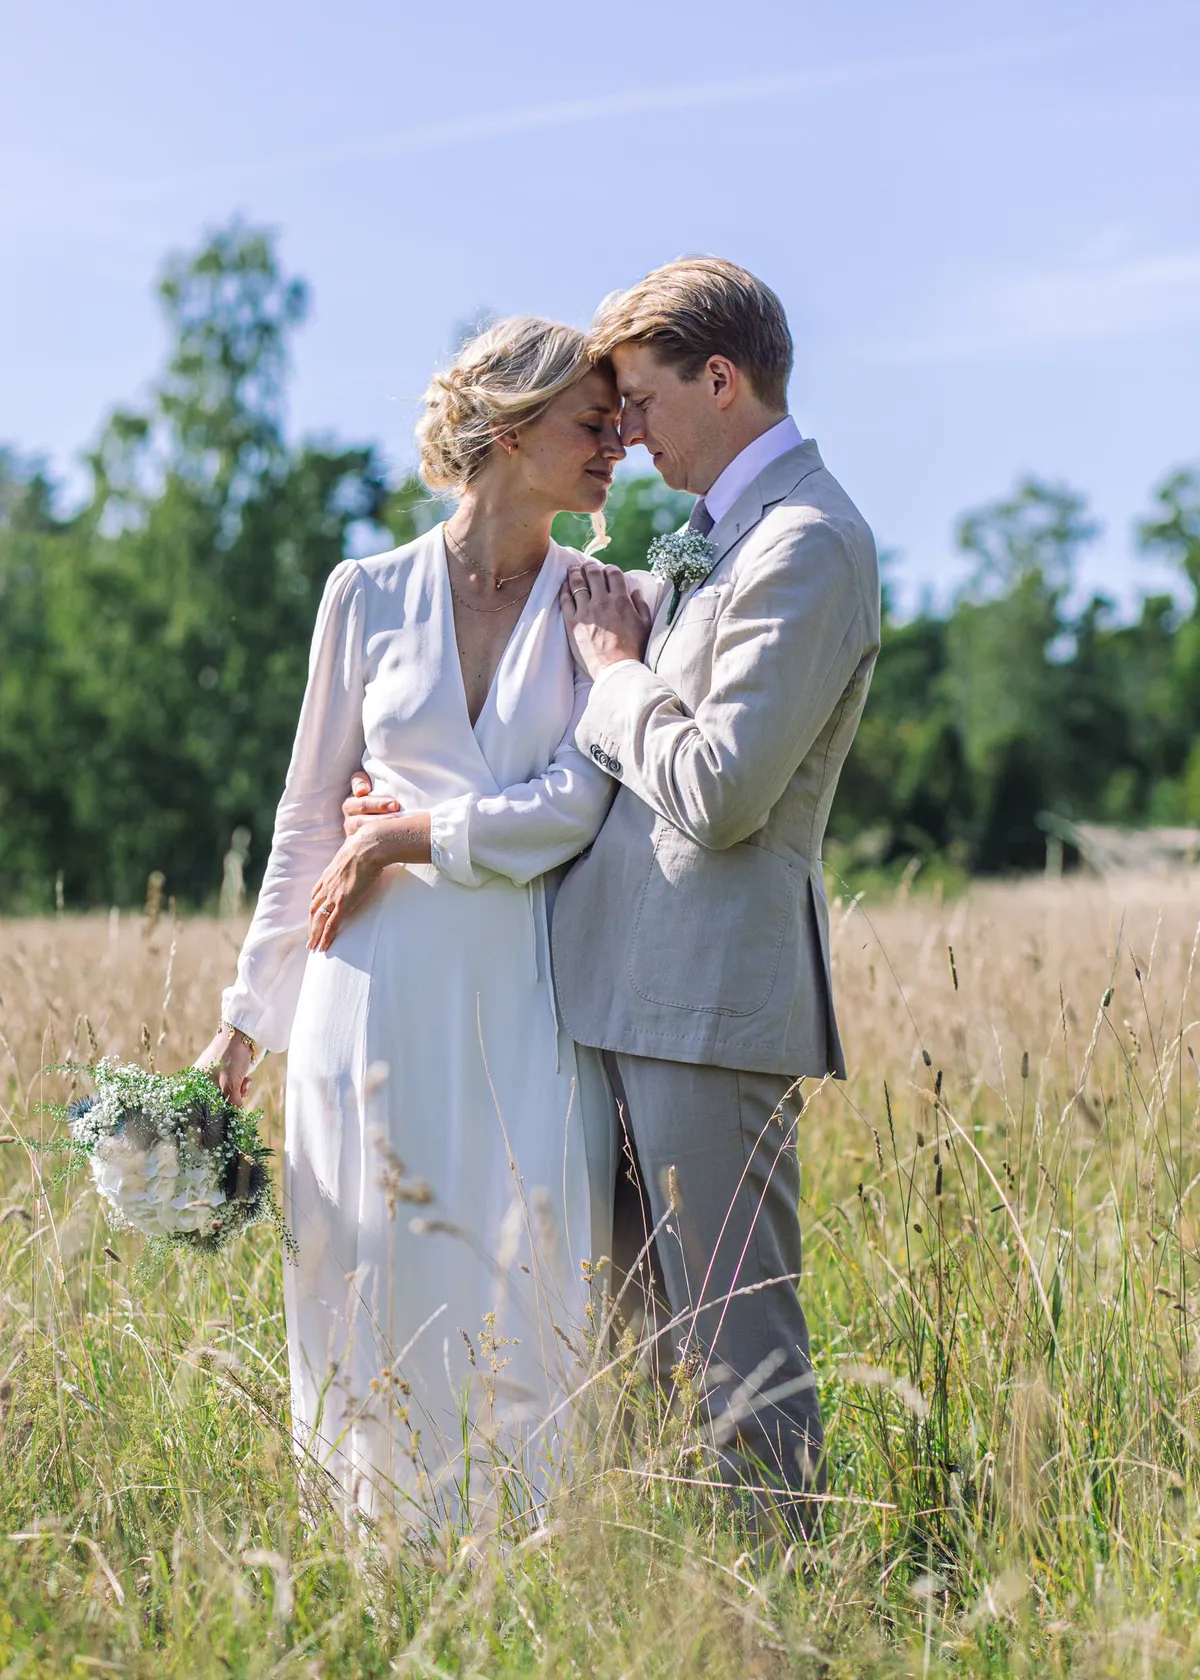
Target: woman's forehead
[{"x": 598, "y": 389}]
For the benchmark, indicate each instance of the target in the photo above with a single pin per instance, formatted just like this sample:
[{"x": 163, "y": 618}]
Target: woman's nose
[{"x": 613, "y": 448}]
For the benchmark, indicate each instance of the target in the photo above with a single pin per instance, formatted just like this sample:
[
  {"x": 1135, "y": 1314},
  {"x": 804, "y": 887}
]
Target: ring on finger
[{"x": 576, "y": 593}]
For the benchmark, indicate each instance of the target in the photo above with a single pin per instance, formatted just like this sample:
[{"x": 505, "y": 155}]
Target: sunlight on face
[
  {"x": 568, "y": 454},
  {"x": 669, "y": 416}
]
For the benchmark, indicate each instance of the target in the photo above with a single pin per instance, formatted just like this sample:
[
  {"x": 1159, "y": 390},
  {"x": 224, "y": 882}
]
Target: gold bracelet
[{"x": 236, "y": 1032}]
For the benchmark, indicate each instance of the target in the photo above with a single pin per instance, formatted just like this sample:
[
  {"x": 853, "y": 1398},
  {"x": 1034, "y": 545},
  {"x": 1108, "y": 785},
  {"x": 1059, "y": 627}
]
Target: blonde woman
[{"x": 436, "y": 1163}]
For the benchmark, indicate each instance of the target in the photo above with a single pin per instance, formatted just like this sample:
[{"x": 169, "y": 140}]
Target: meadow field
[{"x": 1000, "y": 1214}]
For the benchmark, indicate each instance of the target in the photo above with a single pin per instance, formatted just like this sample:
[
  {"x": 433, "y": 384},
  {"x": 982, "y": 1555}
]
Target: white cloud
[
  {"x": 605, "y": 108},
  {"x": 1106, "y": 292}
]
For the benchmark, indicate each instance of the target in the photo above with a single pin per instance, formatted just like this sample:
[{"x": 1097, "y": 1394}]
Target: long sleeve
[
  {"x": 528, "y": 828},
  {"x": 308, "y": 822},
  {"x": 787, "y": 646}
]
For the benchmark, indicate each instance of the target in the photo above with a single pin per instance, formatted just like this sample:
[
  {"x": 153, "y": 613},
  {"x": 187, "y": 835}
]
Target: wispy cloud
[
  {"x": 434, "y": 137},
  {"x": 1106, "y": 292}
]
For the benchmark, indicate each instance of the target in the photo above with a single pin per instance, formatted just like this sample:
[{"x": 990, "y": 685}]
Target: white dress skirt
[{"x": 445, "y": 1178}]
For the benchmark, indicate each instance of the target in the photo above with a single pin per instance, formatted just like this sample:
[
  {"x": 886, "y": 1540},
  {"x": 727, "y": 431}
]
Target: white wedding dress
[{"x": 436, "y": 1174}]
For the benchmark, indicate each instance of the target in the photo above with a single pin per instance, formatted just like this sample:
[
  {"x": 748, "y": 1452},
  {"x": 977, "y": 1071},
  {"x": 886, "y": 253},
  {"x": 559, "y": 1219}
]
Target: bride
[{"x": 439, "y": 1159}]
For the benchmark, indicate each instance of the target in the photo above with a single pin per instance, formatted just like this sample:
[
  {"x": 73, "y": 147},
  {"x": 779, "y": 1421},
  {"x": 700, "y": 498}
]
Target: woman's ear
[{"x": 508, "y": 442}]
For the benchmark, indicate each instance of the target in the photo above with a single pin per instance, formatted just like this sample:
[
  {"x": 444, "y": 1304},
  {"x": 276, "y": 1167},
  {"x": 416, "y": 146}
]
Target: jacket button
[
  {"x": 614, "y": 765},
  {"x": 599, "y": 754}
]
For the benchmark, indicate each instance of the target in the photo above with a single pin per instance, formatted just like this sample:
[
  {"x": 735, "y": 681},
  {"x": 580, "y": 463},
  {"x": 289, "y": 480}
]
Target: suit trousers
[{"x": 711, "y": 1153}]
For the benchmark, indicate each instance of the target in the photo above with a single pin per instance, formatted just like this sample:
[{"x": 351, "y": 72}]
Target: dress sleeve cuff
[
  {"x": 450, "y": 840},
  {"x": 257, "y": 1021}
]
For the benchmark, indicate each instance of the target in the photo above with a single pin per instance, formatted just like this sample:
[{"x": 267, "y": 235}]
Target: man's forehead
[{"x": 637, "y": 374}]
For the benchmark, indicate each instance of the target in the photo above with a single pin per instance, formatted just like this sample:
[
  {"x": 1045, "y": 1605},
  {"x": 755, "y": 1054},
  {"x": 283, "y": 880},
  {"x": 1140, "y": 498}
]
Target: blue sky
[{"x": 984, "y": 221}]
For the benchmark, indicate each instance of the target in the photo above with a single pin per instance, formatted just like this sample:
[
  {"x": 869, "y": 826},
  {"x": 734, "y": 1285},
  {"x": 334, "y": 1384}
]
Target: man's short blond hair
[{"x": 699, "y": 307}]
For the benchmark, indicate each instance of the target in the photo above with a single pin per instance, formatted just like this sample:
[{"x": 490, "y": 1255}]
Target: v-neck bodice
[
  {"x": 508, "y": 800},
  {"x": 514, "y": 635},
  {"x": 420, "y": 743}
]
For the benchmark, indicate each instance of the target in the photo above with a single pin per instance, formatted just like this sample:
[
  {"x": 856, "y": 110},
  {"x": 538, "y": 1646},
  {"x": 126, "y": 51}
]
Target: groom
[{"x": 691, "y": 943}]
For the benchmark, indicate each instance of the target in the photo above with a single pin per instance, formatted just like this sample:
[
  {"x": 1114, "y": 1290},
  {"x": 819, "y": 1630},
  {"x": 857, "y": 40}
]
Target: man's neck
[{"x": 739, "y": 437}]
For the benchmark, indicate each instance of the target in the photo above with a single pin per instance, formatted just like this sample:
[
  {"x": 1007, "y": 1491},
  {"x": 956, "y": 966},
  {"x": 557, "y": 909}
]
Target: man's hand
[
  {"x": 363, "y": 804},
  {"x": 606, "y": 620}
]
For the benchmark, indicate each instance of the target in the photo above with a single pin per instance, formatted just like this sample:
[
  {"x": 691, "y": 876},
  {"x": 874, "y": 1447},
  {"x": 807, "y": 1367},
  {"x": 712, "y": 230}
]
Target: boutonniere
[{"x": 682, "y": 559}]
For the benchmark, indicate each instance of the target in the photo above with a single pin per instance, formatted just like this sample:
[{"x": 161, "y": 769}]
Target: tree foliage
[
  {"x": 153, "y": 647},
  {"x": 153, "y": 643},
  {"x": 1016, "y": 702}
]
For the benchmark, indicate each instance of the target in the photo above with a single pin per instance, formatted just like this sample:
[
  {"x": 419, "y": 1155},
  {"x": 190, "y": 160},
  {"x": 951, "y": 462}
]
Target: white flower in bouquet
[{"x": 151, "y": 1190}]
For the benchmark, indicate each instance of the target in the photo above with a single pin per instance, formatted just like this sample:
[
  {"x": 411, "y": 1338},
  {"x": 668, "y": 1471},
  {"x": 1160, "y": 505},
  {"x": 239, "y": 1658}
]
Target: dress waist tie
[{"x": 540, "y": 925}]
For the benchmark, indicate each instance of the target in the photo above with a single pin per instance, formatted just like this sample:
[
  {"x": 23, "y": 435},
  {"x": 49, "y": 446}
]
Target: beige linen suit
[{"x": 691, "y": 942}]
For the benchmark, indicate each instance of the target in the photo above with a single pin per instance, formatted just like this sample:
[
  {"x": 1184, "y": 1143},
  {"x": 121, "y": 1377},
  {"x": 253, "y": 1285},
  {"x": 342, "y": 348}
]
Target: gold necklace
[
  {"x": 465, "y": 560},
  {"x": 516, "y": 600}
]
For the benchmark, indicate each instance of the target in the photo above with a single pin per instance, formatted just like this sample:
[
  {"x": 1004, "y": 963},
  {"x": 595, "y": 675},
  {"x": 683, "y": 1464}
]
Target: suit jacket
[{"x": 696, "y": 927}]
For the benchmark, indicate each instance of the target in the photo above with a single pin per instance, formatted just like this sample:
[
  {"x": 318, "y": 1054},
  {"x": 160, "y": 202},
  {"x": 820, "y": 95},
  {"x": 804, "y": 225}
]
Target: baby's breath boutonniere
[{"x": 683, "y": 558}]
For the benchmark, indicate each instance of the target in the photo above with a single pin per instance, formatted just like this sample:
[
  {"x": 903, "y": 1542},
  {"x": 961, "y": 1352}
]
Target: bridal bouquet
[{"x": 171, "y": 1157}]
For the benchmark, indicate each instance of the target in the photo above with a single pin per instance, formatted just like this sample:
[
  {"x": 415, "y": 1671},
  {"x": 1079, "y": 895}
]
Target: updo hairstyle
[{"x": 505, "y": 377}]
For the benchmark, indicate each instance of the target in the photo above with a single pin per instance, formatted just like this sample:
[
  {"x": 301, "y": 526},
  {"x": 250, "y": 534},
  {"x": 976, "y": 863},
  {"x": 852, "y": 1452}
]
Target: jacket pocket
[
  {"x": 703, "y": 605},
  {"x": 710, "y": 926}
]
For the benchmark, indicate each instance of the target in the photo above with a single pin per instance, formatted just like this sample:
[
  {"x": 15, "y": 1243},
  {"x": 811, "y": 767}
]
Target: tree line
[{"x": 153, "y": 643}]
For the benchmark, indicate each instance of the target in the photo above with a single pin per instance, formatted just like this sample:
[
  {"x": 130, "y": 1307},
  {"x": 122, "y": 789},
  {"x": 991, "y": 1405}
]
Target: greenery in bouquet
[{"x": 171, "y": 1157}]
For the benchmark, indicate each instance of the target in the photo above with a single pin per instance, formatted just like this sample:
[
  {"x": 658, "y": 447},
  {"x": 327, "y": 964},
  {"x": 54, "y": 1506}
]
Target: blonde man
[{"x": 691, "y": 944}]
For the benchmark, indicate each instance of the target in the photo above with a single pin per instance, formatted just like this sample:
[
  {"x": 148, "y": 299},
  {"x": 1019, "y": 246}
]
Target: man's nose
[{"x": 633, "y": 430}]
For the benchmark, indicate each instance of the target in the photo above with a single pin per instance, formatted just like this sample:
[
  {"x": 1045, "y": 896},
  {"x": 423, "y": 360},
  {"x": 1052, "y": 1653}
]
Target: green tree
[
  {"x": 1171, "y": 697},
  {"x": 43, "y": 726},
  {"x": 1008, "y": 643},
  {"x": 196, "y": 568}
]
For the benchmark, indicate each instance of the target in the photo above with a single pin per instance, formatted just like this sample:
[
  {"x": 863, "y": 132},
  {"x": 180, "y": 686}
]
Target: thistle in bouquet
[{"x": 171, "y": 1157}]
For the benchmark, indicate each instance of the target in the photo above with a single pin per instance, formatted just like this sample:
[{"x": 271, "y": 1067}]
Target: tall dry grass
[{"x": 1001, "y": 1246}]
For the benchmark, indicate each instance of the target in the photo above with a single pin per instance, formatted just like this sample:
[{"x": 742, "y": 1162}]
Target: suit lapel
[
  {"x": 776, "y": 481},
  {"x": 743, "y": 516}
]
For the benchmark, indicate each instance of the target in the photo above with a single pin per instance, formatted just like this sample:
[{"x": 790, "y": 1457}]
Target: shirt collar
[{"x": 745, "y": 468}]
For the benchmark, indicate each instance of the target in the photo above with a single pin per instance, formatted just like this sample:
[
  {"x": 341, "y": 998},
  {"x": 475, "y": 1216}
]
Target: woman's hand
[
  {"x": 344, "y": 887},
  {"x": 227, "y": 1057},
  {"x": 354, "y": 872},
  {"x": 606, "y": 621}
]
